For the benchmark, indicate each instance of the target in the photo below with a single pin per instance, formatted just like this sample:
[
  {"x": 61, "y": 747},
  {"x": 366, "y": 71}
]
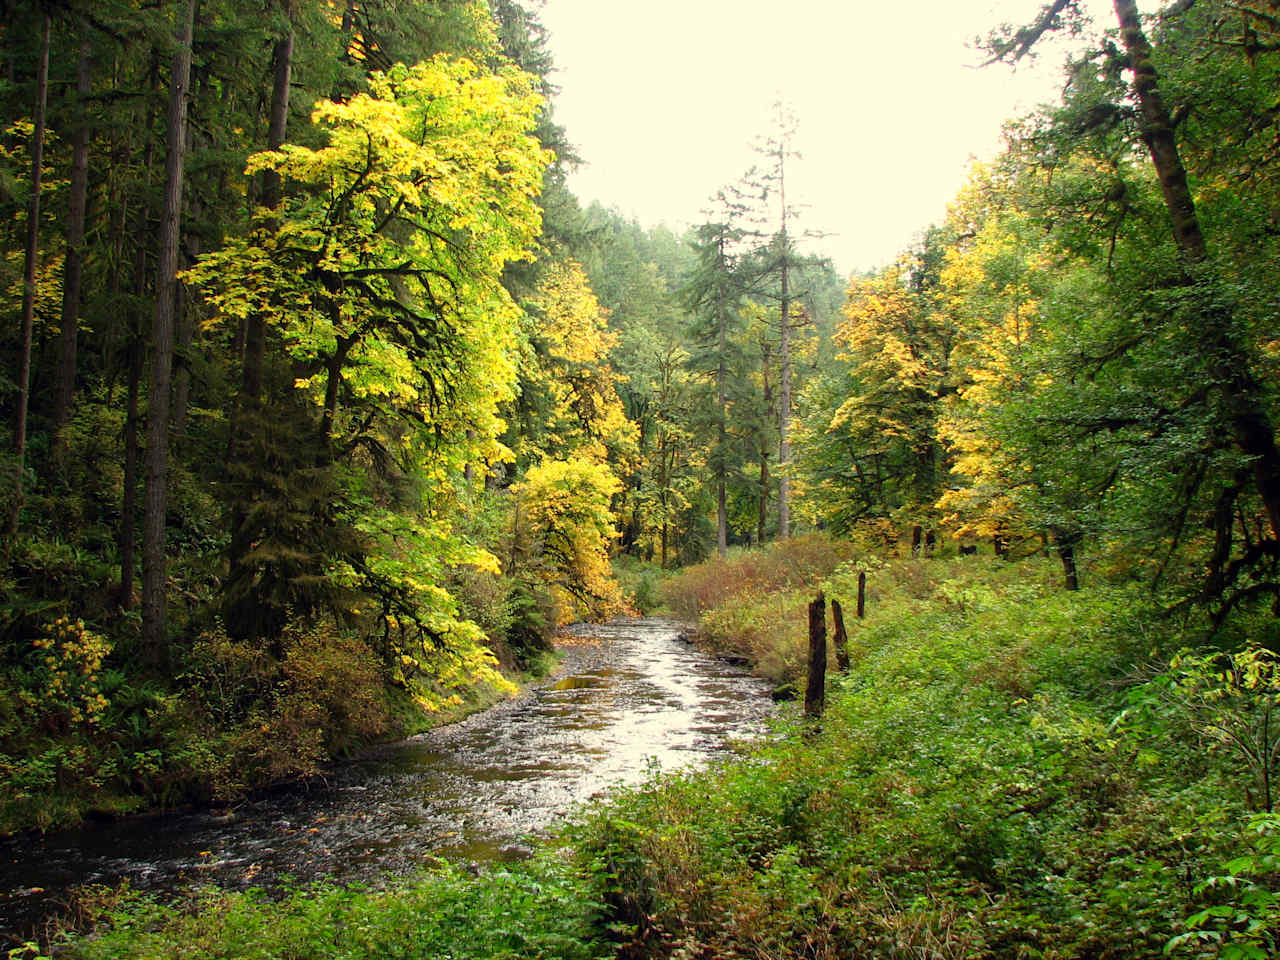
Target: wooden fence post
[
  {"x": 815, "y": 692},
  {"x": 862, "y": 595},
  {"x": 841, "y": 638}
]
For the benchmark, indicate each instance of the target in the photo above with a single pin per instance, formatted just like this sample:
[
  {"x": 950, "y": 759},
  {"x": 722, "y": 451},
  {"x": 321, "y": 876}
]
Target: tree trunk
[
  {"x": 762, "y": 516},
  {"x": 155, "y": 504},
  {"x": 1251, "y": 426},
  {"x": 1066, "y": 547},
  {"x": 29, "y": 282},
  {"x": 272, "y": 194},
  {"x": 784, "y": 389},
  {"x": 184, "y": 309},
  {"x": 841, "y": 637},
  {"x": 722, "y": 511},
  {"x": 65, "y": 386},
  {"x": 125, "y": 539},
  {"x": 815, "y": 690},
  {"x": 185, "y": 334}
]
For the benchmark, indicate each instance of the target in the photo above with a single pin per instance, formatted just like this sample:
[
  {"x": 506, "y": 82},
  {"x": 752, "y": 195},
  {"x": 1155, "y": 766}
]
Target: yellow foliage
[{"x": 564, "y": 508}]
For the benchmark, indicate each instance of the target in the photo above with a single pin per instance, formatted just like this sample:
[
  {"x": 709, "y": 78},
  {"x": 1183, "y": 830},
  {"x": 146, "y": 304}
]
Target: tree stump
[
  {"x": 841, "y": 638},
  {"x": 815, "y": 692}
]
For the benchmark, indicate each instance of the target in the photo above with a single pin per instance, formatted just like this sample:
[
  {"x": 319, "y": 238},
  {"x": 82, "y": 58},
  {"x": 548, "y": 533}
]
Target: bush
[
  {"x": 781, "y": 566},
  {"x": 541, "y": 909}
]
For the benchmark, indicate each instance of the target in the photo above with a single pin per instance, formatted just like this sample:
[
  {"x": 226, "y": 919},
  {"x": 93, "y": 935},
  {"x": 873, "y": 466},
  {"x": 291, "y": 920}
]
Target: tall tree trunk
[
  {"x": 29, "y": 282},
  {"x": 64, "y": 390},
  {"x": 184, "y": 308},
  {"x": 1251, "y": 426},
  {"x": 722, "y": 511},
  {"x": 126, "y": 539},
  {"x": 129, "y": 506},
  {"x": 784, "y": 398},
  {"x": 155, "y": 505},
  {"x": 762, "y": 509},
  {"x": 185, "y": 330},
  {"x": 272, "y": 194}
]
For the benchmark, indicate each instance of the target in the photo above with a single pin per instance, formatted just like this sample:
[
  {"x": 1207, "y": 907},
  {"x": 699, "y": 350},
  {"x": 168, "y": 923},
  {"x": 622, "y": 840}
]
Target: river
[{"x": 629, "y": 697}]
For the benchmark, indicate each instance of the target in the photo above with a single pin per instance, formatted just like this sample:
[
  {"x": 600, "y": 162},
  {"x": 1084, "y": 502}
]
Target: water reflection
[{"x": 632, "y": 696}]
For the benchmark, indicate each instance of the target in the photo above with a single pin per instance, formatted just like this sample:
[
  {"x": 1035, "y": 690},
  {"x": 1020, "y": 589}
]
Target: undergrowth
[
  {"x": 538, "y": 909},
  {"x": 1008, "y": 771}
]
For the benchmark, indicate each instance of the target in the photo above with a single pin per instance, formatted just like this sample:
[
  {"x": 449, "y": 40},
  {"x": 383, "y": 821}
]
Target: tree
[
  {"x": 1180, "y": 347},
  {"x": 779, "y": 258},
  {"x": 64, "y": 391},
  {"x": 154, "y": 585},
  {"x": 877, "y": 453},
  {"x": 381, "y": 272},
  {"x": 714, "y": 293},
  {"x": 29, "y": 280},
  {"x": 567, "y": 526}
]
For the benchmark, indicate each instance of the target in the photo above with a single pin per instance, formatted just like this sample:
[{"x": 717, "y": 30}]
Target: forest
[{"x": 331, "y": 403}]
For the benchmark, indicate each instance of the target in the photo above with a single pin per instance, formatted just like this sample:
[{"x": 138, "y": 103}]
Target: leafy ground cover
[
  {"x": 1008, "y": 770},
  {"x": 538, "y": 909}
]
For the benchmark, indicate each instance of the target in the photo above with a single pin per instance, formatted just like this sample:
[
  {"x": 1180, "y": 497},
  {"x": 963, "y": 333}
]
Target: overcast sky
[{"x": 663, "y": 98}]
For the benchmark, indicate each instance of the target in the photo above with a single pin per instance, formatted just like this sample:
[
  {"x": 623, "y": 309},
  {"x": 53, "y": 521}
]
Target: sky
[{"x": 663, "y": 99}]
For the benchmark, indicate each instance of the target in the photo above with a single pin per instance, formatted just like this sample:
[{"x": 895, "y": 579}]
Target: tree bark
[
  {"x": 815, "y": 690},
  {"x": 29, "y": 282},
  {"x": 155, "y": 503},
  {"x": 722, "y": 511},
  {"x": 125, "y": 539},
  {"x": 1251, "y": 426},
  {"x": 272, "y": 195},
  {"x": 1066, "y": 547},
  {"x": 784, "y": 389},
  {"x": 841, "y": 637},
  {"x": 73, "y": 270},
  {"x": 762, "y": 514}
]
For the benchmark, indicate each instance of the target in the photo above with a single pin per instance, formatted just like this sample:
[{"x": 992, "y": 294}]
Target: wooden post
[
  {"x": 862, "y": 595},
  {"x": 815, "y": 692},
  {"x": 841, "y": 638},
  {"x": 930, "y": 542},
  {"x": 916, "y": 533}
]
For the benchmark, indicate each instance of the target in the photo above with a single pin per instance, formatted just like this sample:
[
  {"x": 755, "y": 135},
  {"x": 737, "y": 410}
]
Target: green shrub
[{"x": 540, "y": 909}]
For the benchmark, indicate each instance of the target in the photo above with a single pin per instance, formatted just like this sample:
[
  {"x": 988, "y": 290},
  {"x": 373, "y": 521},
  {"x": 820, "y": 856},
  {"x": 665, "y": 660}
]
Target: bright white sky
[{"x": 663, "y": 98}]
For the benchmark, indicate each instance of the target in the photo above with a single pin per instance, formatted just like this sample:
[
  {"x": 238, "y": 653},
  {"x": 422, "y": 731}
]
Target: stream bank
[{"x": 629, "y": 697}]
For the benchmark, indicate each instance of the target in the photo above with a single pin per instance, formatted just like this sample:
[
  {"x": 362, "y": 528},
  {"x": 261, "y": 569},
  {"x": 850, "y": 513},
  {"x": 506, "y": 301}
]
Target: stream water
[{"x": 631, "y": 695}]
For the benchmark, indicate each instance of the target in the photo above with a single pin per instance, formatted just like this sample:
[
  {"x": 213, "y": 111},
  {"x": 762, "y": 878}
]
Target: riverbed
[{"x": 631, "y": 697}]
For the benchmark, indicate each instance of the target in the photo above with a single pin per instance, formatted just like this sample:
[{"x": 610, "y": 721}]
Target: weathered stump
[
  {"x": 862, "y": 595},
  {"x": 841, "y": 638},
  {"x": 815, "y": 692}
]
